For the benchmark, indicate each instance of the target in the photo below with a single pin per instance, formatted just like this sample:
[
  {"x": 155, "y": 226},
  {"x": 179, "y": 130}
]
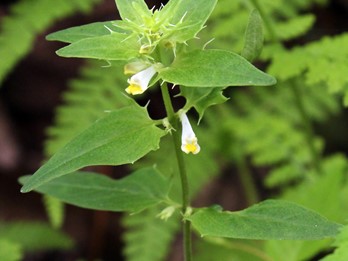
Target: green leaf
[
  {"x": 321, "y": 193},
  {"x": 253, "y": 37},
  {"x": 133, "y": 10},
  {"x": 122, "y": 137},
  {"x": 189, "y": 16},
  {"x": 222, "y": 249},
  {"x": 140, "y": 190},
  {"x": 294, "y": 27},
  {"x": 202, "y": 98},
  {"x": 114, "y": 46},
  {"x": 214, "y": 68},
  {"x": 34, "y": 236},
  {"x": 77, "y": 33},
  {"x": 271, "y": 219},
  {"x": 10, "y": 251}
]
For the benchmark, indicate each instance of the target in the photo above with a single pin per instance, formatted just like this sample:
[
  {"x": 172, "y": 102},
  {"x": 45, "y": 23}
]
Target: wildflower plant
[{"x": 154, "y": 47}]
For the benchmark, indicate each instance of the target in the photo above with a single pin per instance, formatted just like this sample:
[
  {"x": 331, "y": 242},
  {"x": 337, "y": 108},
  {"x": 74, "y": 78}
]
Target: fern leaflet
[{"x": 27, "y": 19}]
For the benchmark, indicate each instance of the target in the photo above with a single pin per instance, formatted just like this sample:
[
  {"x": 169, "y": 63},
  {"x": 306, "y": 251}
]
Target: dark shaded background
[{"x": 27, "y": 101}]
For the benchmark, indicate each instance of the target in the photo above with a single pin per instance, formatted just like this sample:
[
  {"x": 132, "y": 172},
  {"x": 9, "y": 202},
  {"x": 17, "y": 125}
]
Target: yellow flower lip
[
  {"x": 139, "y": 82},
  {"x": 134, "y": 89},
  {"x": 191, "y": 147}
]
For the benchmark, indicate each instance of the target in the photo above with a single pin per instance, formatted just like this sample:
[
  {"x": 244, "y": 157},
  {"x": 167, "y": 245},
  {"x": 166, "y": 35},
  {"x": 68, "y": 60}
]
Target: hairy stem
[
  {"x": 310, "y": 138},
  {"x": 182, "y": 170}
]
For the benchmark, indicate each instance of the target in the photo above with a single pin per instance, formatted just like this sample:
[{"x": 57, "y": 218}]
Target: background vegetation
[{"x": 288, "y": 141}]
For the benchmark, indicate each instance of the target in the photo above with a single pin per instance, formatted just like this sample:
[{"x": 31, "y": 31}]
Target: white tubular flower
[
  {"x": 188, "y": 137},
  {"x": 139, "y": 82}
]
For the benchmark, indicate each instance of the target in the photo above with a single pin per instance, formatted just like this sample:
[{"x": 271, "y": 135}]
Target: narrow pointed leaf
[
  {"x": 142, "y": 189},
  {"x": 122, "y": 137},
  {"x": 77, "y": 33},
  {"x": 114, "y": 46},
  {"x": 253, "y": 37},
  {"x": 271, "y": 219},
  {"x": 214, "y": 68}
]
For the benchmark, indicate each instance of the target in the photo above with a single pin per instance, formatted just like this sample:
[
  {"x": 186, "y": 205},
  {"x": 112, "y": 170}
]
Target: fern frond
[
  {"x": 148, "y": 237},
  {"x": 26, "y": 20},
  {"x": 287, "y": 9},
  {"x": 98, "y": 90},
  {"x": 294, "y": 27},
  {"x": 265, "y": 124},
  {"x": 228, "y": 21},
  {"x": 324, "y": 61}
]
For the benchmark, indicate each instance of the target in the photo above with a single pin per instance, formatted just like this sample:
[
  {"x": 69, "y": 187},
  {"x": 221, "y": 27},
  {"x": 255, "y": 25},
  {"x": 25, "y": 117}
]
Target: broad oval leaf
[
  {"x": 214, "y": 68},
  {"x": 139, "y": 190},
  {"x": 113, "y": 46},
  {"x": 122, "y": 137},
  {"x": 271, "y": 219}
]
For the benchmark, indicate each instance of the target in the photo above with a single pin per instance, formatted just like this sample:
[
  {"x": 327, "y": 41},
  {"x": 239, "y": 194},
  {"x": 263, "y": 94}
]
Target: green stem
[
  {"x": 310, "y": 138},
  {"x": 182, "y": 170}
]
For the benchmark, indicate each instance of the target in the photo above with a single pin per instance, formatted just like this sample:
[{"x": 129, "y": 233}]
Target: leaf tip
[
  {"x": 26, "y": 189},
  {"x": 60, "y": 52},
  {"x": 273, "y": 80}
]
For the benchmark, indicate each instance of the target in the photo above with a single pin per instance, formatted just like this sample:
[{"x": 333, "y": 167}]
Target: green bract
[{"x": 177, "y": 22}]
